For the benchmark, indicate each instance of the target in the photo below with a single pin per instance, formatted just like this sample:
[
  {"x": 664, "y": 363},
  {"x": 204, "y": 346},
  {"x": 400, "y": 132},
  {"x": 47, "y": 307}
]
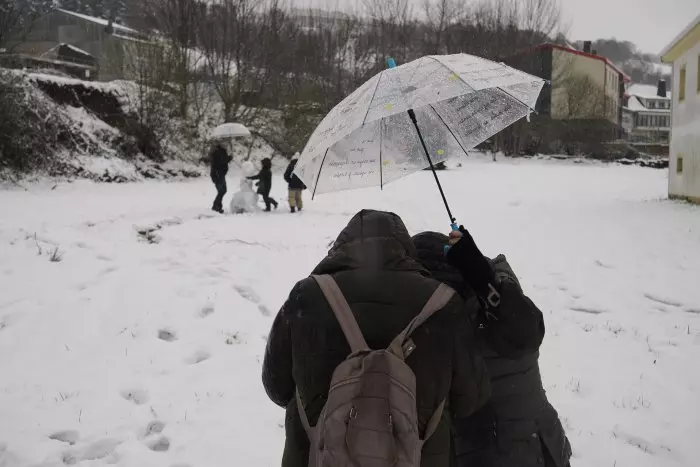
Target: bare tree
[
  {"x": 17, "y": 18},
  {"x": 393, "y": 29},
  {"x": 231, "y": 36},
  {"x": 176, "y": 23},
  {"x": 440, "y": 15},
  {"x": 150, "y": 99}
]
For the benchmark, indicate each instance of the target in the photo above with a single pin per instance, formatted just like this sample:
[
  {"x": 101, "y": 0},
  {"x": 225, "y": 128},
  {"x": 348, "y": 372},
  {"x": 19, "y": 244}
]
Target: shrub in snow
[{"x": 29, "y": 130}]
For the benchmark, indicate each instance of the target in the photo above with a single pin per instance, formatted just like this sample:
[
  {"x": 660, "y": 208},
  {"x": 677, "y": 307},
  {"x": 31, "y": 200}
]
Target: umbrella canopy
[
  {"x": 369, "y": 138},
  {"x": 229, "y": 130}
]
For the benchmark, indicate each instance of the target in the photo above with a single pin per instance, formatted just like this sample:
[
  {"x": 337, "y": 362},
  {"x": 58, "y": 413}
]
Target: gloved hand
[{"x": 476, "y": 269}]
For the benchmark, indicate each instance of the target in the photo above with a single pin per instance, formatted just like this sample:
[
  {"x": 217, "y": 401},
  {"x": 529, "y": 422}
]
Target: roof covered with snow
[
  {"x": 635, "y": 105},
  {"x": 100, "y": 21},
  {"x": 647, "y": 91},
  {"x": 76, "y": 49}
]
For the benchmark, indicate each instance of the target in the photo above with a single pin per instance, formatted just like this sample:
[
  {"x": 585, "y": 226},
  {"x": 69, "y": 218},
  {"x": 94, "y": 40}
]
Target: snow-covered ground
[{"x": 144, "y": 349}]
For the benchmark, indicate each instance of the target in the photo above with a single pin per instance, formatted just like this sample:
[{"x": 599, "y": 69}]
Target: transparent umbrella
[{"x": 410, "y": 117}]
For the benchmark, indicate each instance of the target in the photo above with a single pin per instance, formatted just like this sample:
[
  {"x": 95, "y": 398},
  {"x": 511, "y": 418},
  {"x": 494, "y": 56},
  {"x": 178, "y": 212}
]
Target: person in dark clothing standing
[
  {"x": 373, "y": 262},
  {"x": 523, "y": 429},
  {"x": 295, "y": 186},
  {"x": 264, "y": 178},
  {"x": 219, "y": 159}
]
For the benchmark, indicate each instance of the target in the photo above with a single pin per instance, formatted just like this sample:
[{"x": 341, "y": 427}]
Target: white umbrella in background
[
  {"x": 407, "y": 118},
  {"x": 229, "y": 131}
]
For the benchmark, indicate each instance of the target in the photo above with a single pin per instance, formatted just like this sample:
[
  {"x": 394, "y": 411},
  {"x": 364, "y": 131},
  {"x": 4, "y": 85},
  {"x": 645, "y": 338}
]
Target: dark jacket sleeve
[
  {"x": 516, "y": 327},
  {"x": 470, "y": 388},
  {"x": 277, "y": 366},
  {"x": 255, "y": 177},
  {"x": 288, "y": 173}
]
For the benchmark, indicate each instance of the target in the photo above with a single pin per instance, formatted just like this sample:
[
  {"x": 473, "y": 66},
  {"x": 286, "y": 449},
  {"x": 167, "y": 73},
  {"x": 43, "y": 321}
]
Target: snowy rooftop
[
  {"x": 647, "y": 91},
  {"x": 635, "y": 105},
  {"x": 100, "y": 21}
]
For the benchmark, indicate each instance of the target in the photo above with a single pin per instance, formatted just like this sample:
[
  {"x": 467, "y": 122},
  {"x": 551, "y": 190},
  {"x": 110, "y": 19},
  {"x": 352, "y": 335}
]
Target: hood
[
  {"x": 430, "y": 248},
  {"x": 266, "y": 163},
  {"x": 373, "y": 240}
]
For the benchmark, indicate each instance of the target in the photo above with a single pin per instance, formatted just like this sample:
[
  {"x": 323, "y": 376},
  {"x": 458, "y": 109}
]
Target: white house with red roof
[{"x": 581, "y": 108}]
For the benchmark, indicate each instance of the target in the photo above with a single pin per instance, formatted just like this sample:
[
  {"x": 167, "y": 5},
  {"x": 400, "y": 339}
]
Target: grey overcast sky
[{"x": 650, "y": 24}]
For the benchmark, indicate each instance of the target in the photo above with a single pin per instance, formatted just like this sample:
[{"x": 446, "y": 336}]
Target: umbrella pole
[{"x": 412, "y": 114}]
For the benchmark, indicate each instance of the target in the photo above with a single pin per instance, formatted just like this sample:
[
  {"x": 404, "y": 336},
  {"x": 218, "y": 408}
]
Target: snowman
[{"x": 245, "y": 199}]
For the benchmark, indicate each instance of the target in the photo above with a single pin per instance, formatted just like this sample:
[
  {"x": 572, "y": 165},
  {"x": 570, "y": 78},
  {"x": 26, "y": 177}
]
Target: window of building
[
  {"x": 679, "y": 164},
  {"x": 681, "y": 84}
]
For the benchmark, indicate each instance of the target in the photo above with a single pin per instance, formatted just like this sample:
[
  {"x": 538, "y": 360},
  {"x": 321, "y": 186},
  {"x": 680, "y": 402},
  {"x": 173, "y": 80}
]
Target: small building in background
[
  {"x": 684, "y": 163},
  {"x": 581, "y": 108},
  {"x": 646, "y": 118},
  {"x": 80, "y": 45}
]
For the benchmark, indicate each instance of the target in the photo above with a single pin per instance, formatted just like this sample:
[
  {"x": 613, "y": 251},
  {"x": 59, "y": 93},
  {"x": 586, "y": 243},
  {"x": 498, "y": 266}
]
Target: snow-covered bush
[{"x": 29, "y": 130}]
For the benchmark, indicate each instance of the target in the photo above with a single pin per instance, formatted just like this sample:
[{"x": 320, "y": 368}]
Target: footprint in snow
[
  {"x": 206, "y": 311},
  {"x": 162, "y": 444},
  {"x": 198, "y": 357},
  {"x": 155, "y": 427},
  {"x": 137, "y": 396},
  {"x": 107, "y": 271},
  {"x": 588, "y": 310},
  {"x": 248, "y": 293},
  {"x": 663, "y": 300},
  {"x": 66, "y": 436},
  {"x": 603, "y": 265},
  {"x": 264, "y": 310},
  {"x": 167, "y": 335},
  {"x": 102, "y": 449}
]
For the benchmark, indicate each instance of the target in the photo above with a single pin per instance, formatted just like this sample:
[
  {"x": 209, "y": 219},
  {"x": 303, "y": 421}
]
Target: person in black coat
[
  {"x": 219, "y": 160},
  {"x": 522, "y": 429},
  {"x": 264, "y": 178},
  {"x": 295, "y": 186},
  {"x": 374, "y": 263}
]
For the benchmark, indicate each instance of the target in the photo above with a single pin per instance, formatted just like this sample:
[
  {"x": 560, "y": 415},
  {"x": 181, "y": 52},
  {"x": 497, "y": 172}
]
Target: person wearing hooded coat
[
  {"x": 295, "y": 185},
  {"x": 264, "y": 178},
  {"x": 523, "y": 429},
  {"x": 219, "y": 160},
  {"x": 374, "y": 263}
]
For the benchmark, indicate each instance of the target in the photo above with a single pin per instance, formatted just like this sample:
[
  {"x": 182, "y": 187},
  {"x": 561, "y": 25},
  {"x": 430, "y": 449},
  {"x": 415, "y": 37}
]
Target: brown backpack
[{"x": 370, "y": 418}]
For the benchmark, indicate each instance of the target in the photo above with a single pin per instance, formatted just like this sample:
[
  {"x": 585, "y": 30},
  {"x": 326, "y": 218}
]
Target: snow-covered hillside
[
  {"x": 139, "y": 342},
  {"x": 100, "y": 134}
]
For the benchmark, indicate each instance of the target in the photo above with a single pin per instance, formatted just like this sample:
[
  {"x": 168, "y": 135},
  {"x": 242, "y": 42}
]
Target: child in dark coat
[
  {"x": 295, "y": 185},
  {"x": 264, "y": 178}
]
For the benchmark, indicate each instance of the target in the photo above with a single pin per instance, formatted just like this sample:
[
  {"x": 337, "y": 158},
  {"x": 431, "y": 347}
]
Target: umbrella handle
[{"x": 455, "y": 228}]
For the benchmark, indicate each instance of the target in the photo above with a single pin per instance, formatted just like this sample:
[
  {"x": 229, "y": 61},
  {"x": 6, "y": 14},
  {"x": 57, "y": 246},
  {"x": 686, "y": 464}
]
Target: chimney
[
  {"x": 661, "y": 88},
  {"x": 587, "y": 46}
]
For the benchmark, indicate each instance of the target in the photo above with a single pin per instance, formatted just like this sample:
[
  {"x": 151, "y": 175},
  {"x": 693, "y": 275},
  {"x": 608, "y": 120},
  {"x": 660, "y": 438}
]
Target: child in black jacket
[{"x": 264, "y": 178}]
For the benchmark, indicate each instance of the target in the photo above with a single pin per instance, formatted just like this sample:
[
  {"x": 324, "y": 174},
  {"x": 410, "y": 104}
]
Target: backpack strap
[
  {"x": 302, "y": 415},
  {"x": 434, "y": 422},
  {"x": 442, "y": 295},
  {"x": 343, "y": 313}
]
